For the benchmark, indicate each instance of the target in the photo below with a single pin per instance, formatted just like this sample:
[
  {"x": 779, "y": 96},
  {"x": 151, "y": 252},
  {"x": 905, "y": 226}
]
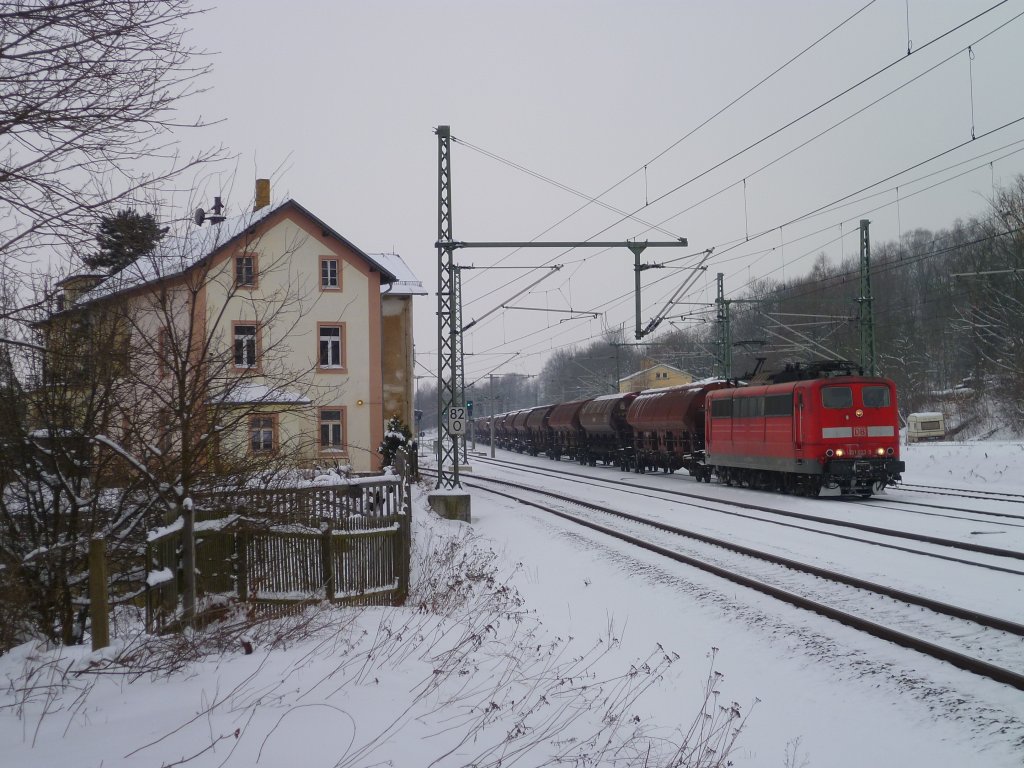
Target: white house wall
[{"x": 288, "y": 306}]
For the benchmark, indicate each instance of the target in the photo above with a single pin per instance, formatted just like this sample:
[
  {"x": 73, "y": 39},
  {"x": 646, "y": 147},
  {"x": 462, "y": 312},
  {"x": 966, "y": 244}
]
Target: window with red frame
[
  {"x": 245, "y": 346},
  {"x": 262, "y": 434},
  {"x": 331, "y": 431},
  {"x": 331, "y": 347},
  {"x": 245, "y": 271},
  {"x": 330, "y": 277}
]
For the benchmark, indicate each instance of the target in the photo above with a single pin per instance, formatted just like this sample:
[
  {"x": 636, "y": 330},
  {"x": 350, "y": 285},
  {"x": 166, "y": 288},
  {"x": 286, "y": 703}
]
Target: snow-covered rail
[{"x": 986, "y": 645}]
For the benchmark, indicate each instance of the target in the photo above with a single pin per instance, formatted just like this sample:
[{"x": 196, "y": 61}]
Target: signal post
[{"x": 453, "y": 504}]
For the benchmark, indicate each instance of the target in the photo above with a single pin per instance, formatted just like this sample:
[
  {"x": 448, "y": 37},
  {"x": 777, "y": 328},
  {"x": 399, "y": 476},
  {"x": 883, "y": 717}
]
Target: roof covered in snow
[
  {"x": 406, "y": 283},
  {"x": 178, "y": 252},
  {"x": 249, "y": 392}
]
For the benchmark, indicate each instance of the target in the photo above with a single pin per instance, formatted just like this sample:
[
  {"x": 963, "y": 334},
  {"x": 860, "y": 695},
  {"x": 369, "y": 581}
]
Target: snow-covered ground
[{"x": 408, "y": 687}]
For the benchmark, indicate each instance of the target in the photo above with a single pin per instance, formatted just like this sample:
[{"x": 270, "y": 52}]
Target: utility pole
[
  {"x": 449, "y": 342},
  {"x": 490, "y": 408},
  {"x": 618, "y": 362},
  {"x": 724, "y": 331},
  {"x": 460, "y": 368},
  {"x": 866, "y": 315}
]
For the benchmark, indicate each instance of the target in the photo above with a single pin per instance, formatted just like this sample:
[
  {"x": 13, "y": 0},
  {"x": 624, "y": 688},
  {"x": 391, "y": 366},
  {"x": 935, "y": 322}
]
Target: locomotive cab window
[
  {"x": 721, "y": 408},
  {"x": 875, "y": 397},
  {"x": 837, "y": 397}
]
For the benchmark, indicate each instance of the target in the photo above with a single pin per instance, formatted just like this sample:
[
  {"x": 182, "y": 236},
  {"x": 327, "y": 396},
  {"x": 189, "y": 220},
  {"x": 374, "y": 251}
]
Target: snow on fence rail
[{"x": 286, "y": 547}]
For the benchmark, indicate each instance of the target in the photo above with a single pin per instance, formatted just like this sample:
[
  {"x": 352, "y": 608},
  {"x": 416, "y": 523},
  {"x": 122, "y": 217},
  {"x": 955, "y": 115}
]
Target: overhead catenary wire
[
  {"x": 891, "y": 177},
  {"x": 701, "y": 125},
  {"x": 623, "y": 297},
  {"x": 939, "y": 37}
]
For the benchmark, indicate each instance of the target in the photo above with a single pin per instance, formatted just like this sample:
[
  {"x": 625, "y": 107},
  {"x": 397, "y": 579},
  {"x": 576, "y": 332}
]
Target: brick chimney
[{"x": 262, "y": 194}]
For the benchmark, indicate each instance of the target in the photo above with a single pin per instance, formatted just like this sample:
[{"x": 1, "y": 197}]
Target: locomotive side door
[{"x": 798, "y": 421}]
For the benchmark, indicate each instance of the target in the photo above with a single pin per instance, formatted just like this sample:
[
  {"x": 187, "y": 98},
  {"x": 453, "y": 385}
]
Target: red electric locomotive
[{"x": 837, "y": 432}]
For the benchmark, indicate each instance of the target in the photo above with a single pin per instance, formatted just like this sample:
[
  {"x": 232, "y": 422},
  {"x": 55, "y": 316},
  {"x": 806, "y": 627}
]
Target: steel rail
[
  {"x": 959, "y": 660},
  {"x": 964, "y": 545}
]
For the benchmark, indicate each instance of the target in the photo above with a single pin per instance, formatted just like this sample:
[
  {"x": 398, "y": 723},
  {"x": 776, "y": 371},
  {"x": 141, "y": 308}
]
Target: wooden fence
[{"x": 290, "y": 547}]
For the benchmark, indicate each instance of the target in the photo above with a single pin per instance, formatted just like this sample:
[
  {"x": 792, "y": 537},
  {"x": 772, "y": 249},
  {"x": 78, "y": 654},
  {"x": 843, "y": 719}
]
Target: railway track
[
  {"x": 728, "y": 507},
  {"x": 984, "y": 645},
  {"x": 963, "y": 493}
]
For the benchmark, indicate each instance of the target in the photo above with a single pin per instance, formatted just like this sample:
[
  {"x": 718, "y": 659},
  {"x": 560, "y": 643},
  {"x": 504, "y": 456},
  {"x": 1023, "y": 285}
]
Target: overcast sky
[{"x": 338, "y": 101}]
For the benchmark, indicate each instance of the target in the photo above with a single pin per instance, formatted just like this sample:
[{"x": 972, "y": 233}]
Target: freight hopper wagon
[
  {"x": 838, "y": 433},
  {"x": 608, "y": 438},
  {"x": 668, "y": 428},
  {"x": 503, "y": 436},
  {"x": 567, "y": 436},
  {"x": 538, "y": 433},
  {"x": 518, "y": 432}
]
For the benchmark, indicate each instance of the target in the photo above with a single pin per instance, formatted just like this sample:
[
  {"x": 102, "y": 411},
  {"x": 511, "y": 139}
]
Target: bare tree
[
  {"x": 137, "y": 398},
  {"x": 89, "y": 93},
  {"x": 53, "y": 499},
  {"x": 196, "y": 406}
]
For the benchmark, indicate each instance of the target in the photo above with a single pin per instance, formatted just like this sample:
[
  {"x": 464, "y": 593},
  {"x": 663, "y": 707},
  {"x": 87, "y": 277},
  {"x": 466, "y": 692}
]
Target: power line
[{"x": 841, "y": 200}]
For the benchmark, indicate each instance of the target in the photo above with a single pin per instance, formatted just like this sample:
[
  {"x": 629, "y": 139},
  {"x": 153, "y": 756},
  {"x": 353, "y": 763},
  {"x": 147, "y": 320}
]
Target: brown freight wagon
[
  {"x": 566, "y": 433},
  {"x": 609, "y": 437},
  {"x": 538, "y": 433},
  {"x": 668, "y": 427}
]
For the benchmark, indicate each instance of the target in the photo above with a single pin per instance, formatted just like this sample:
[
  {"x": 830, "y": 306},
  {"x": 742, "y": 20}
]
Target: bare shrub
[{"x": 495, "y": 689}]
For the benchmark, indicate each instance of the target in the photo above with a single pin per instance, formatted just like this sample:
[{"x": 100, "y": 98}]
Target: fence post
[
  {"x": 327, "y": 561},
  {"x": 242, "y": 565},
  {"x": 98, "y": 606},
  {"x": 405, "y": 563}
]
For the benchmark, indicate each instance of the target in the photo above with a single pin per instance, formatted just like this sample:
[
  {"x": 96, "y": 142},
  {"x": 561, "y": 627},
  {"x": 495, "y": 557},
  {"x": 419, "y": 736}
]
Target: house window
[
  {"x": 163, "y": 349},
  {"x": 331, "y": 347},
  {"x": 331, "y": 430},
  {"x": 262, "y": 433},
  {"x": 245, "y": 345},
  {"x": 330, "y": 276},
  {"x": 245, "y": 270},
  {"x": 163, "y": 438}
]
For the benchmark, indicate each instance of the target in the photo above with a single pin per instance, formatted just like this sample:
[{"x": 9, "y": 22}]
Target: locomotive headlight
[
  {"x": 881, "y": 451},
  {"x": 840, "y": 451}
]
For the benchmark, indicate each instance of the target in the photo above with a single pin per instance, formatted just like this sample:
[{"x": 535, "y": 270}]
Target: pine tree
[
  {"x": 122, "y": 239},
  {"x": 396, "y": 435}
]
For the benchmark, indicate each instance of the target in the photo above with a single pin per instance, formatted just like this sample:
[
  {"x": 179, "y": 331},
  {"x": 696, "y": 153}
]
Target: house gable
[{"x": 284, "y": 248}]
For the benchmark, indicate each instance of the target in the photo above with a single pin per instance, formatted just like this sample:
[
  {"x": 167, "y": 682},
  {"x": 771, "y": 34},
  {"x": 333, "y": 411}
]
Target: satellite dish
[{"x": 200, "y": 216}]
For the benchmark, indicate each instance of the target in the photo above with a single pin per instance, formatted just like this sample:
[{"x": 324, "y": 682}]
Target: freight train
[{"x": 805, "y": 429}]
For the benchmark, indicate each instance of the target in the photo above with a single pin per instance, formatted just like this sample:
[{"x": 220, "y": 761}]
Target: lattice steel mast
[
  {"x": 866, "y": 314},
  {"x": 449, "y": 338}
]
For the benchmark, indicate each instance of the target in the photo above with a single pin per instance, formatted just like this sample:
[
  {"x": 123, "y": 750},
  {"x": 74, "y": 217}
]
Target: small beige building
[
  {"x": 654, "y": 376},
  {"x": 298, "y": 340}
]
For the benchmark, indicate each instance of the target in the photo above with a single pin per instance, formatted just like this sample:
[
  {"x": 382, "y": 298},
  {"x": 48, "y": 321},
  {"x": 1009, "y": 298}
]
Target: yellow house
[
  {"x": 286, "y": 336},
  {"x": 653, "y": 377}
]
